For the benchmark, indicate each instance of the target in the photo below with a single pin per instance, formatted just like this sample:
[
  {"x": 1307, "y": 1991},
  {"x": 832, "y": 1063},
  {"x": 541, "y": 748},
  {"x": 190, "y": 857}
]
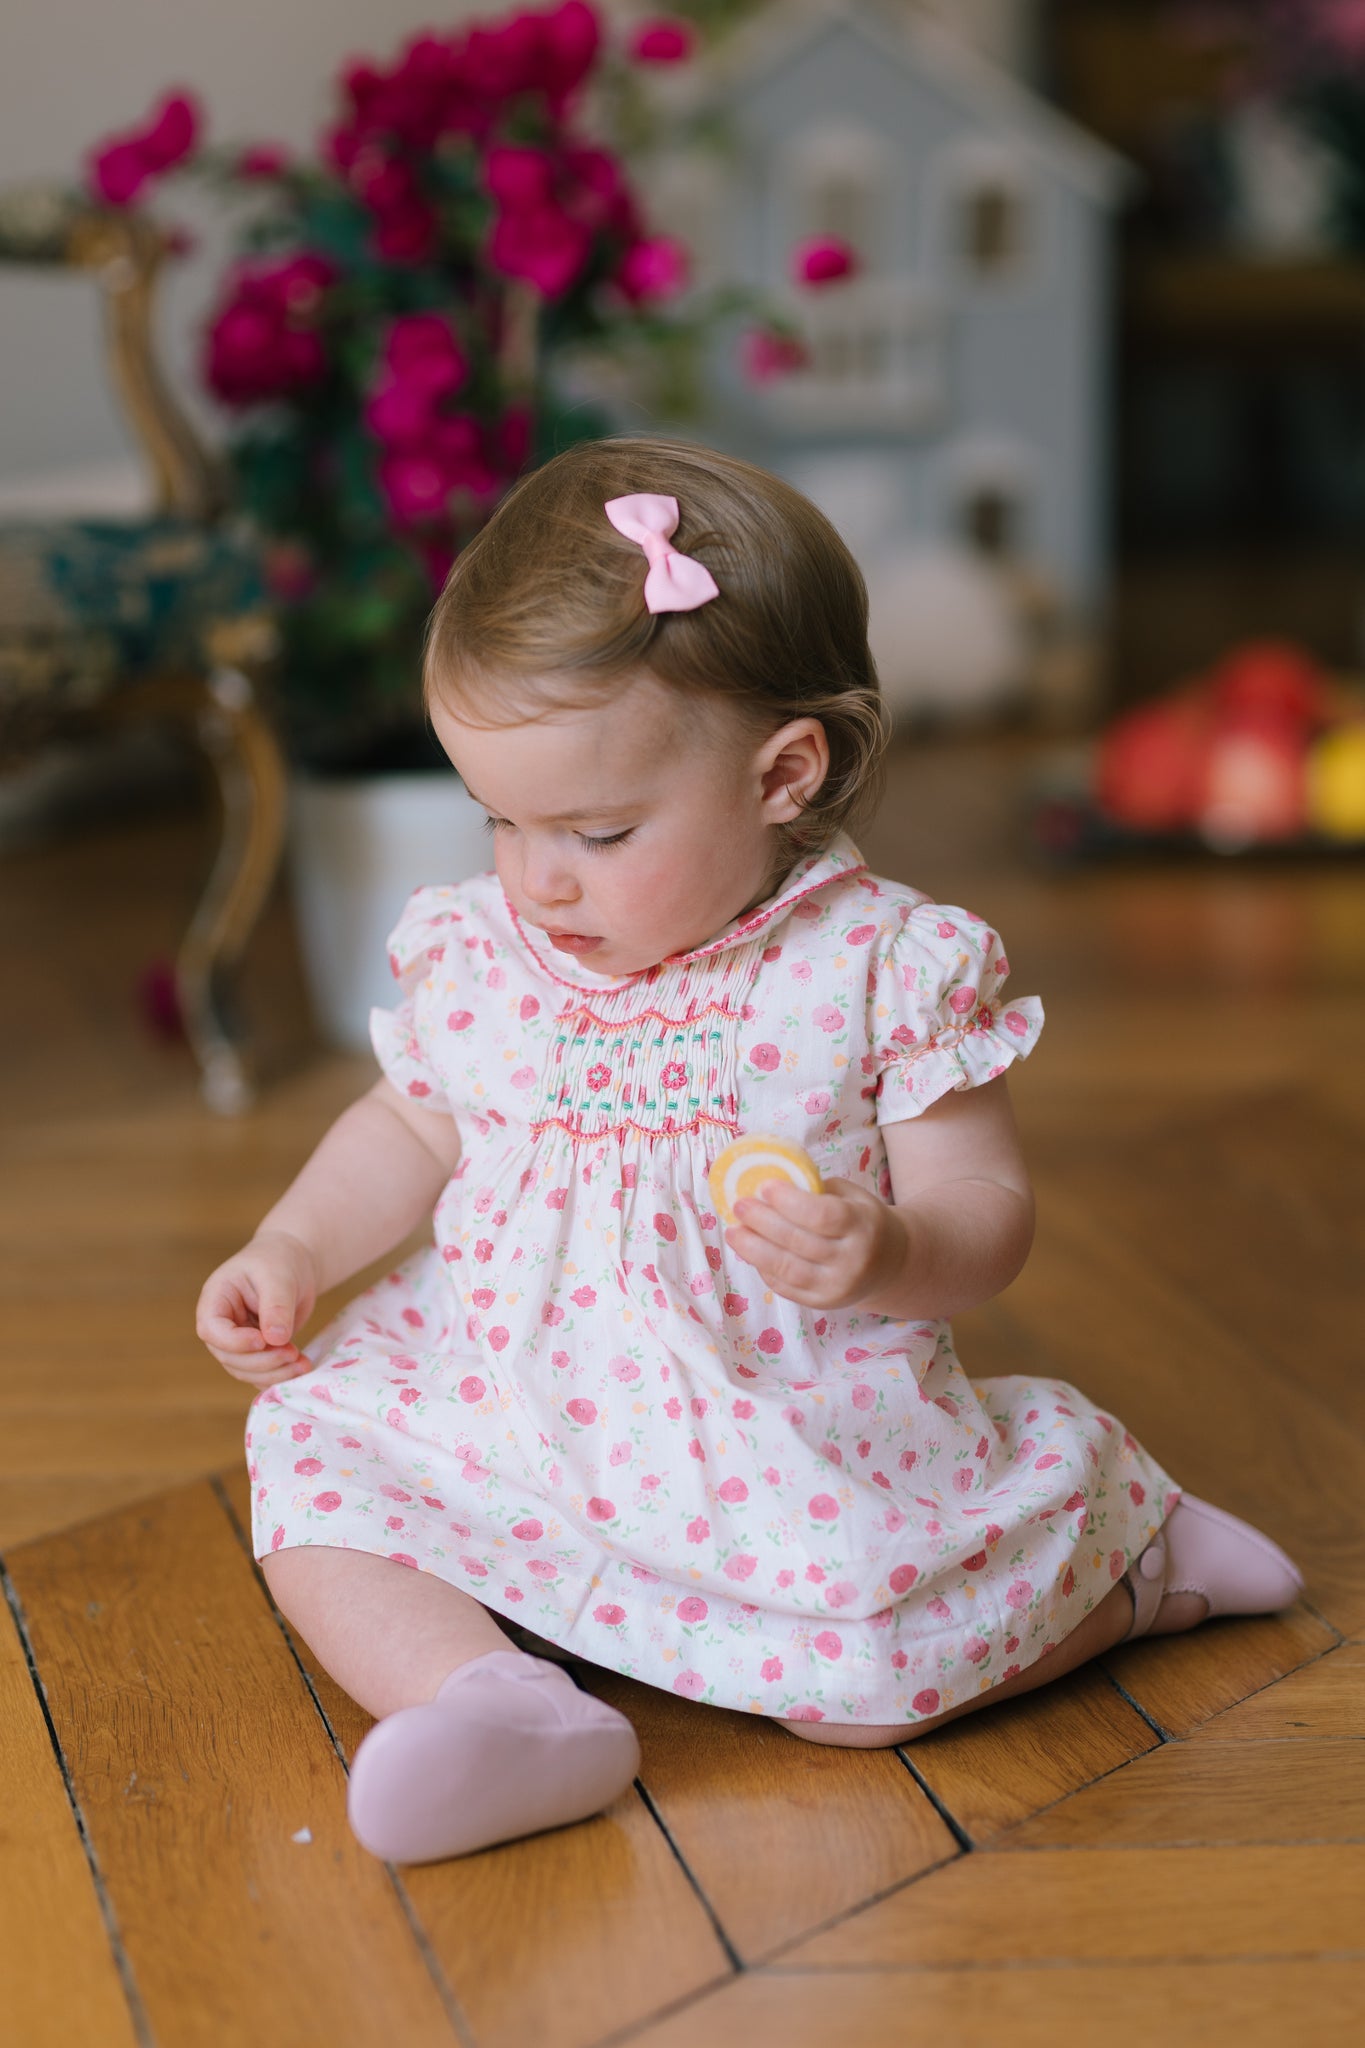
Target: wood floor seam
[
  {"x": 950, "y": 1820},
  {"x": 733, "y": 1956},
  {"x": 1162, "y": 1734},
  {"x": 973, "y": 1966},
  {"x": 877, "y": 1898},
  {"x": 221, "y": 1496},
  {"x": 122, "y": 1963},
  {"x": 620, "y": 2037},
  {"x": 445, "y": 1991}
]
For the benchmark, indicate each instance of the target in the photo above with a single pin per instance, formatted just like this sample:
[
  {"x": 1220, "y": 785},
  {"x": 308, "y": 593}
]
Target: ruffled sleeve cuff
[
  {"x": 961, "y": 1055},
  {"x": 941, "y": 1020}
]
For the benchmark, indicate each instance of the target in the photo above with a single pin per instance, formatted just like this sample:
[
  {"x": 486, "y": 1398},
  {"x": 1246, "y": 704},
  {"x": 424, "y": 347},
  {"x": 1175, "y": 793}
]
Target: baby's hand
[
  {"x": 251, "y": 1306},
  {"x": 831, "y": 1250}
]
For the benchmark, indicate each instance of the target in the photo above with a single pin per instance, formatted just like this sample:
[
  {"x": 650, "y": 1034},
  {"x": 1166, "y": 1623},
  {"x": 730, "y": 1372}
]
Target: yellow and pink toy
[{"x": 747, "y": 1165}]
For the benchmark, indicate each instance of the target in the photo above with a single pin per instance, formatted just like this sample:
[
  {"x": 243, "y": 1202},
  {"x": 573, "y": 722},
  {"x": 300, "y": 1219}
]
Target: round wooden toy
[{"x": 749, "y": 1163}]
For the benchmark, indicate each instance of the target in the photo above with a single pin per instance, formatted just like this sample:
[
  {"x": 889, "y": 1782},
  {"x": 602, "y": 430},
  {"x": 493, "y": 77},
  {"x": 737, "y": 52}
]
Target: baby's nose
[{"x": 547, "y": 881}]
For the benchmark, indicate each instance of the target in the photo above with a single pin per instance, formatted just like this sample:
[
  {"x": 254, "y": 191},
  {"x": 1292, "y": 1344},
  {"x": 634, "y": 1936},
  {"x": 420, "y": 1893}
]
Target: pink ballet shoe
[
  {"x": 508, "y": 1746},
  {"x": 1203, "y": 1549}
]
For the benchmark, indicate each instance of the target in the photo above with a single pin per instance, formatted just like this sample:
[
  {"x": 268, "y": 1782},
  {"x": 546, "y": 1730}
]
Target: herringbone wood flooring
[{"x": 1169, "y": 1846}]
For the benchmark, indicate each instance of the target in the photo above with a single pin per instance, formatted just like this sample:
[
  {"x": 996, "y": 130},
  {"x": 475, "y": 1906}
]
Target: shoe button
[{"x": 1152, "y": 1563}]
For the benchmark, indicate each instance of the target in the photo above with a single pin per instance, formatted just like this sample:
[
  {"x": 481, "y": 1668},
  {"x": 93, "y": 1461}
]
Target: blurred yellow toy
[
  {"x": 1336, "y": 782},
  {"x": 749, "y": 1163}
]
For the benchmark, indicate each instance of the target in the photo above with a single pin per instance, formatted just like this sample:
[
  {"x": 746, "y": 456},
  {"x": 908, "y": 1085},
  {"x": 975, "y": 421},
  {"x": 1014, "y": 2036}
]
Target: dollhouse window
[
  {"x": 990, "y": 520},
  {"x": 992, "y": 228},
  {"x": 990, "y": 481},
  {"x": 984, "y": 212},
  {"x": 840, "y": 180},
  {"x": 842, "y": 204}
]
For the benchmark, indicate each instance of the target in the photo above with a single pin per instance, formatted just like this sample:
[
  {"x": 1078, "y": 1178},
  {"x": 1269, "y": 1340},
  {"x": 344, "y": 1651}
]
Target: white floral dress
[{"x": 580, "y": 1407}]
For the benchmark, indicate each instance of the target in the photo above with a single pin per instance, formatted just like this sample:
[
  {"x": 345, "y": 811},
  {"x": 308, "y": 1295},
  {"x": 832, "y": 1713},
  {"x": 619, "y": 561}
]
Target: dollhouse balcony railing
[{"x": 877, "y": 358}]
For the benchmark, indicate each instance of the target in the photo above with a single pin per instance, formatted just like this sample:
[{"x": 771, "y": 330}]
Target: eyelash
[{"x": 596, "y": 845}]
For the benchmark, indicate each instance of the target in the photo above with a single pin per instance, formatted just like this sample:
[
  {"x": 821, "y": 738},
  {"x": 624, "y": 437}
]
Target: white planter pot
[{"x": 358, "y": 847}]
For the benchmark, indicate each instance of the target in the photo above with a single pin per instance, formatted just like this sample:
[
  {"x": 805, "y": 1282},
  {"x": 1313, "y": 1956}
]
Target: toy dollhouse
[{"x": 952, "y": 404}]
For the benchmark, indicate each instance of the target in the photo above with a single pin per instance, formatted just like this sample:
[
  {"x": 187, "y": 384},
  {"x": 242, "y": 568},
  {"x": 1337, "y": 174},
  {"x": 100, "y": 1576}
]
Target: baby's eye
[
  {"x": 612, "y": 839},
  {"x": 491, "y": 824}
]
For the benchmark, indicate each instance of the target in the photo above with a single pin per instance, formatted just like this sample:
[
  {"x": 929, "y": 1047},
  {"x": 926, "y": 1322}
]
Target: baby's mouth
[{"x": 573, "y": 942}]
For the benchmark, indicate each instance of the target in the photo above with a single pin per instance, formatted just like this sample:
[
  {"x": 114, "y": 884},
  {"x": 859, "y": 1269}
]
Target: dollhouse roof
[{"x": 787, "y": 30}]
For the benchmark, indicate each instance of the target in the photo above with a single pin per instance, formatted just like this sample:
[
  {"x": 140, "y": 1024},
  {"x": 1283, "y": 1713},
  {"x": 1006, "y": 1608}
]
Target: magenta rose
[
  {"x": 569, "y": 39},
  {"x": 541, "y": 244},
  {"x": 765, "y": 354},
  {"x": 823, "y": 259},
  {"x": 262, "y": 160},
  {"x": 664, "y": 41},
  {"x": 120, "y": 167},
  {"x": 421, "y": 364},
  {"x": 593, "y": 188},
  {"x": 653, "y": 268},
  {"x": 263, "y": 343},
  {"x": 519, "y": 177},
  {"x": 416, "y": 487}
]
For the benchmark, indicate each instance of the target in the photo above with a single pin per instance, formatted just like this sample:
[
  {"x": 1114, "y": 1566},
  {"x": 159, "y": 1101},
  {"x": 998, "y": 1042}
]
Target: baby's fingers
[
  {"x": 763, "y": 1220},
  {"x": 786, "y": 1271},
  {"x": 266, "y": 1368},
  {"x": 222, "y": 1333}
]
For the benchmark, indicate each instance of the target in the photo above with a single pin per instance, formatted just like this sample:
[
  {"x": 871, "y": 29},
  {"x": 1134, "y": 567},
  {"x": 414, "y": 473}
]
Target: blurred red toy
[{"x": 1224, "y": 756}]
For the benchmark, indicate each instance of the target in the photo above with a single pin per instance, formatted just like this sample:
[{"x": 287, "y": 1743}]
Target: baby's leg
[
  {"x": 1101, "y": 1629},
  {"x": 474, "y": 1742},
  {"x": 387, "y": 1634}
]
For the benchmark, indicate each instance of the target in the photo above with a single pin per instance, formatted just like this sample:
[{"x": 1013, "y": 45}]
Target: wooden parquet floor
[{"x": 1169, "y": 1846}]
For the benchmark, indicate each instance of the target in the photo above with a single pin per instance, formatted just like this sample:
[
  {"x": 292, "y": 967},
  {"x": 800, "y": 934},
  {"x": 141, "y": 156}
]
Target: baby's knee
[
  {"x": 851, "y": 1734},
  {"x": 302, "y": 1575}
]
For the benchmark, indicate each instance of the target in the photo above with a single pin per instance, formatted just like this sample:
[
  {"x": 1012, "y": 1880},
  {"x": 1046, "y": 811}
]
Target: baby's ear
[{"x": 794, "y": 763}]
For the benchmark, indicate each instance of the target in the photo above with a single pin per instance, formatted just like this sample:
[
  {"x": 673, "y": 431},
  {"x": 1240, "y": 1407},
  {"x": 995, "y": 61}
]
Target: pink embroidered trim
[
  {"x": 943, "y": 1041},
  {"x": 581, "y": 1137},
  {"x": 560, "y": 980},
  {"x": 766, "y": 915},
  {"x": 762, "y": 916},
  {"x": 572, "y": 1012}
]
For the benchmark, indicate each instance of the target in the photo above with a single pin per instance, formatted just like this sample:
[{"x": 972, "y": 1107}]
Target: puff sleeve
[
  {"x": 405, "y": 1037},
  {"x": 939, "y": 1018}
]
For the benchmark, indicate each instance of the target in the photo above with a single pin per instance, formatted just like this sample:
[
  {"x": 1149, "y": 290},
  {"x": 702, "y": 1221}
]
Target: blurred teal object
[{"x": 85, "y": 606}]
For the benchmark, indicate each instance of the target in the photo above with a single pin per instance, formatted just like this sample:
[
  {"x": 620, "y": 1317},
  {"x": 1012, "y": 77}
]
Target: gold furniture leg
[{"x": 222, "y": 709}]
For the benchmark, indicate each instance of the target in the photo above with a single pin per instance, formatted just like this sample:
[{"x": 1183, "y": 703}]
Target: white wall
[{"x": 76, "y": 70}]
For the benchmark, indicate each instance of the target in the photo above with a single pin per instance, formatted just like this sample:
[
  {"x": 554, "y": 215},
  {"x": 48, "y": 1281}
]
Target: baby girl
[{"x": 741, "y": 1462}]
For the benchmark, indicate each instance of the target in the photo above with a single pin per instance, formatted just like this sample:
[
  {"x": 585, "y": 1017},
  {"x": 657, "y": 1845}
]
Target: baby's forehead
[{"x": 571, "y": 761}]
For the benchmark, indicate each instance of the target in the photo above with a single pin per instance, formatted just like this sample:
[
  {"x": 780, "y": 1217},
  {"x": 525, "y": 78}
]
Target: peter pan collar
[{"x": 816, "y": 871}]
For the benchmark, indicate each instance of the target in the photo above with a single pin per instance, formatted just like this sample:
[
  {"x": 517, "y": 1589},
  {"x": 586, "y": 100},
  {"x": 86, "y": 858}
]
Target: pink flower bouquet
[{"x": 385, "y": 344}]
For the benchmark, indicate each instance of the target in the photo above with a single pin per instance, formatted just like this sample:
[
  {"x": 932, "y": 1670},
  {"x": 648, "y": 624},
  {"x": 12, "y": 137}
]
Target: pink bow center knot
[{"x": 674, "y": 582}]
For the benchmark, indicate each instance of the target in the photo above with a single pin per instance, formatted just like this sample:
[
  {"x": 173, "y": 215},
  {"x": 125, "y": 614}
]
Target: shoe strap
[
  {"x": 513, "y": 1665},
  {"x": 1145, "y": 1579}
]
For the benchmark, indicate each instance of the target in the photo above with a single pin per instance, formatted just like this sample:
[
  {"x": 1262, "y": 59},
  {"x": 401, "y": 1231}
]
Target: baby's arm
[
  {"x": 957, "y": 1230},
  {"x": 374, "y": 1176}
]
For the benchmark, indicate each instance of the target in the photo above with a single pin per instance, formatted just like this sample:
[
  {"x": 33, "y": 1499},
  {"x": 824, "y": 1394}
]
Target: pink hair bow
[{"x": 675, "y": 582}]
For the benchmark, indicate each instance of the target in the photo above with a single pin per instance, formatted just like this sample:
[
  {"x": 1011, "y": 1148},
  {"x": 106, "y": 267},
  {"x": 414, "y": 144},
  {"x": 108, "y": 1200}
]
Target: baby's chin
[{"x": 622, "y": 957}]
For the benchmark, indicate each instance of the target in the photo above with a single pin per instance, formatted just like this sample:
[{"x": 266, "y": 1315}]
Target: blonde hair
[{"x": 545, "y": 606}]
